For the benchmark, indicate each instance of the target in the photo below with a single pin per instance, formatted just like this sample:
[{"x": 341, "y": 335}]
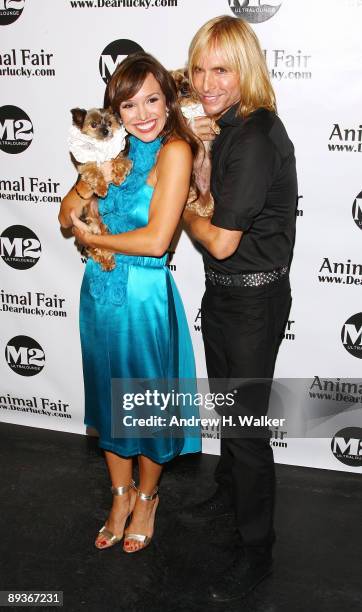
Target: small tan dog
[
  {"x": 97, "y": 136},
  {"x": 191, "y": 107}
]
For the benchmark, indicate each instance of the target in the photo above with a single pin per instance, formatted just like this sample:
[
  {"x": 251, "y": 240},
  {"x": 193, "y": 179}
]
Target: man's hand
[{"x": 202, "y": 127}]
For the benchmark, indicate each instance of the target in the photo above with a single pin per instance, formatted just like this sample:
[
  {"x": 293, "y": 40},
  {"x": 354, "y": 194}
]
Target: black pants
[{"x": 242, "y": 329}]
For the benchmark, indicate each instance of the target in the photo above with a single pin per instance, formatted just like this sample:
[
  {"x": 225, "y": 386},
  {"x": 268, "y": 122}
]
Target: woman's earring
[{"x": 167, "y": 113}]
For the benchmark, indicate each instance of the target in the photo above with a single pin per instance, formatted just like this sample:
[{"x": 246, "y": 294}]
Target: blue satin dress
[{"x": 132, "y": 320}]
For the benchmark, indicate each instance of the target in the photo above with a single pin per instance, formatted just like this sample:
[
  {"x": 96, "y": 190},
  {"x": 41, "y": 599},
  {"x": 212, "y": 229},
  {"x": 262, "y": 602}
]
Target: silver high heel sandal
[
  {"x": 140, "y": 537},
  {"x": 106, "y": 533}
]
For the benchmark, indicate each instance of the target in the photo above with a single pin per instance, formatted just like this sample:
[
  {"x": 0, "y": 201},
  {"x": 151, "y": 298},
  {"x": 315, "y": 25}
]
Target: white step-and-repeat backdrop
[{"x": 58, "y": 54}]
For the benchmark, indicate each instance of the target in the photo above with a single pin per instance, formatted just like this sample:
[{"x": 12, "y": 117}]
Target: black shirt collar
[{"x": 230, "y": 117}]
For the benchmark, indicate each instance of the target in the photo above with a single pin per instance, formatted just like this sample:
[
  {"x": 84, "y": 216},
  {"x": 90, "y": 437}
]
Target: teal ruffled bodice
[{"x": 126, "y": 208}]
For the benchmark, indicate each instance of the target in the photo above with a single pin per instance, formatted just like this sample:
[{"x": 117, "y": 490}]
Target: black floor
[{"x": 55, "y": 496}]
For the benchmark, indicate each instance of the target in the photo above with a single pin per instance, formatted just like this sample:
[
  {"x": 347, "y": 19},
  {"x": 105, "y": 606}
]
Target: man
[{"x": 247, "y": 247}]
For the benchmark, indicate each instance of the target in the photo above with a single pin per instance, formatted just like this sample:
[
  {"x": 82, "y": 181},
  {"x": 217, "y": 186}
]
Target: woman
[{"x": 132, "y": 322}]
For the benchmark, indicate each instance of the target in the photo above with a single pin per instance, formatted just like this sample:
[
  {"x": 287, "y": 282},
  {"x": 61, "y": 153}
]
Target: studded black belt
[{"x": 248, "y": 279}]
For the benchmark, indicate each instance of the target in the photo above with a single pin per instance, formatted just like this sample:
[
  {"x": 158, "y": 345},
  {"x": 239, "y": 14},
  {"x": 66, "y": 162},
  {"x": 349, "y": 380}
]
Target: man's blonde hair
[{"x": 235, "y": 39}]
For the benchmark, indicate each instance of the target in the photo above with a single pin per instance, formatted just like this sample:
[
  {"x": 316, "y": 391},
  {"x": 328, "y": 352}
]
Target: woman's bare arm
[{"x": 72, "y": 202}]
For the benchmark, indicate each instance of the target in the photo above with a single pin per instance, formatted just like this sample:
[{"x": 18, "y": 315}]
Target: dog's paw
[
  {"x": 101, "y": 191},
  {"x": 104, "y": 258},
  {"x": 101, "y": 187},
  {"x": 200, "y": 209},
  {"x": 121, "y": 168}
]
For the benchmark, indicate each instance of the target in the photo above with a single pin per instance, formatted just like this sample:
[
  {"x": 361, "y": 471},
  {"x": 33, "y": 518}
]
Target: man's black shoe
[
  {"x": 238, "y": 580},
  {"x": 216, "y": 506}
]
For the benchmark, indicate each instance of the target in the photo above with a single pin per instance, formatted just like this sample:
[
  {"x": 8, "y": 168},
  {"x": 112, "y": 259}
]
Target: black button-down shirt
[{"x": 254, "y": 185}]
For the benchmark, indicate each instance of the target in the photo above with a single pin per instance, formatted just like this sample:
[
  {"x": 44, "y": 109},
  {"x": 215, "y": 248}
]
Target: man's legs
[
  {"x": 242, "y": 332},
  {"x": 253, "y": 324}
]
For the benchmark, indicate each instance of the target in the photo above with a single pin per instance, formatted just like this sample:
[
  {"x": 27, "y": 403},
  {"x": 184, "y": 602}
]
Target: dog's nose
[{"x": 105, "y": 131}]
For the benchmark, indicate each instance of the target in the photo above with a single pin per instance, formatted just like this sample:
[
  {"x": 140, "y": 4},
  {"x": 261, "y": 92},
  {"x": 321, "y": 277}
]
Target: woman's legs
[
  {"x": 144, "y": 510},
  {"x": 120, "y": 472}
]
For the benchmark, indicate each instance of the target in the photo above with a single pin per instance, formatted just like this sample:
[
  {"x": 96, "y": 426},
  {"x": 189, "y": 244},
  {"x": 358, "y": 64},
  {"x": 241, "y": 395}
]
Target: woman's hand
[
  {"x": 203, "y": 127},
  {"x": 79, "y": 196},
  {"x": 81, "y": 231}
]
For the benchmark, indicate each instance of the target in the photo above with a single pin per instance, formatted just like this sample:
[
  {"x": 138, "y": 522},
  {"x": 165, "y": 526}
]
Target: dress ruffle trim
[
  {"x": 110, "y": 286},
  {"x": 115, "y": 209}
]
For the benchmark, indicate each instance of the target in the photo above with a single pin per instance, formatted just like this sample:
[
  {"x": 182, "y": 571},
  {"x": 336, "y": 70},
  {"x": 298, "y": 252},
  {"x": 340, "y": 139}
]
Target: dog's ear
[
  {"x": 78, "y": 115},
  {"x": 116, "y": 115}
]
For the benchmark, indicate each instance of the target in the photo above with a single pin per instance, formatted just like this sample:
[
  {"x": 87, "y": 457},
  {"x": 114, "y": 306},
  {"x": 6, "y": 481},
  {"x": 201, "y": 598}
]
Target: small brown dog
[
  {"x": 191, "y": 107},
  {"x": 97, "y": 136}
]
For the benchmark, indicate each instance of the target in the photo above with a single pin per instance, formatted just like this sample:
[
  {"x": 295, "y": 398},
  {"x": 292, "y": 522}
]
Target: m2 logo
[
  {"x": 254, "y": 11},
  {"x": 24, "y": 356},
  {"x": 7, "y": 5},
  {"x": 20, "y": 247},
  {"x": 113, "y": 54},
  {"x": 357, "y": 210},
  {"x": 346, "y": 446},
  {"x": 351, "y": 335},
  {"x": 10, "y": 11},
  {"x": 16, "y": 130}
]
